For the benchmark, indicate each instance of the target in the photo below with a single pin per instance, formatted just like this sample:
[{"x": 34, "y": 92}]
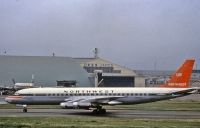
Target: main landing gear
[{"x": 99, "y": 110}]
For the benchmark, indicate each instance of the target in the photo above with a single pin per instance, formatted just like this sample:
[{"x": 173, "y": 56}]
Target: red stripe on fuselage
[{"x": 15, "y": 97}]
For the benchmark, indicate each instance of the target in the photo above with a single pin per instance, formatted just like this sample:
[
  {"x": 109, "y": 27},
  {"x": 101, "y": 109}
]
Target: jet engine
[{"x": 114, "y": 102}]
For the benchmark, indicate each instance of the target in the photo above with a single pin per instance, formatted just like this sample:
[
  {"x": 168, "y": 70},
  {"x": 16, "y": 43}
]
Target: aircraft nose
[
  {"x": 13, "y": 99},
  {"x": 7, "y": 99}
]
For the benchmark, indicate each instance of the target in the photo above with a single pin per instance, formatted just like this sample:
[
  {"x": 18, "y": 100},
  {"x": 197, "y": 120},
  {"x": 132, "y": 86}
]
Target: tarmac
[{"x": 137, "y": 114}]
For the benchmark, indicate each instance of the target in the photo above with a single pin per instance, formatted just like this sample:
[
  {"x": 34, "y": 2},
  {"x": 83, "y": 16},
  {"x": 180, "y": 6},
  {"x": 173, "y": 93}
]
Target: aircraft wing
[
  {"x": 94, "y": 100},
  {"x": 184, "y": 92}
]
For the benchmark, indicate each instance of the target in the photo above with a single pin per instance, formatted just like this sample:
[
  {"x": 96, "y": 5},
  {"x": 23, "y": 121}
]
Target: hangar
[
  {"x": 66, "y": 71},
  {"x": 109, "y": 74},
  {"x": 47, "y": 71}
]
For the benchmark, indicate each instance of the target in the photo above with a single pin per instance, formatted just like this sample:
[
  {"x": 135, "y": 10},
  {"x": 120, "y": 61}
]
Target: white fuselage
[{"x": 108, "y": 96}]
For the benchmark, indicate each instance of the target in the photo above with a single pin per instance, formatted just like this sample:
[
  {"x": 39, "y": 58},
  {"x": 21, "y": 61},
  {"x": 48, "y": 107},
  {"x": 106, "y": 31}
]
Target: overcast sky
[{"x": 134, "y": 33}]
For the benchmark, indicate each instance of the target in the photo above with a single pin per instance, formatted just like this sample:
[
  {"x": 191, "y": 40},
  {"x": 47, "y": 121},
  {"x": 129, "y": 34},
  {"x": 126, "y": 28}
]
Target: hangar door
[{"x": 117, "y": 81}]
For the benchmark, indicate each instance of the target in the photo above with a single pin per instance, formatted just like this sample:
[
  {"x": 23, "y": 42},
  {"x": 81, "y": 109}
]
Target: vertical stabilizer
[{"x": 181, "y": 78}]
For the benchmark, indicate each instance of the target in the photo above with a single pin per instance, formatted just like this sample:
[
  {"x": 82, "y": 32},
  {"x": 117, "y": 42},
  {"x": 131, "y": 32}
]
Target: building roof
[
  {"x": 46, "y": 70},
  {"x": 124, "y": 70},
  {"x": 84, "y": 60}
]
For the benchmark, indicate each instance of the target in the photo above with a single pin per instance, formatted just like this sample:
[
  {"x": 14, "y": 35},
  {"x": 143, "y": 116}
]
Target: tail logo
[
  {"x": 179, "y": 74},
  {"x": 177, "y": 84}
]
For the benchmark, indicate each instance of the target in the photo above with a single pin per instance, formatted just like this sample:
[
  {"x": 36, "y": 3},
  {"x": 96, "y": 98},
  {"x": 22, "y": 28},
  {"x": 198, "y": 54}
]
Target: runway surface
[{"x": 110, "y": 113}]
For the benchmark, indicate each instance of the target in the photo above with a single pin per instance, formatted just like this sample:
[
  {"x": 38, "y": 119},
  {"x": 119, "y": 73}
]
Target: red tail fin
[{"x": 181, "y": 78}]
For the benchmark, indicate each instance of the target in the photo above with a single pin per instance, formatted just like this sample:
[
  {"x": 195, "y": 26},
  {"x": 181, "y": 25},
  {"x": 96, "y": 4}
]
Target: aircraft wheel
[
  {"x": 102, "y": 111},
  {"x": 24, "y": 109},
  {"x": 99, "y": 111},
  {"x": 95, "y": 111}
]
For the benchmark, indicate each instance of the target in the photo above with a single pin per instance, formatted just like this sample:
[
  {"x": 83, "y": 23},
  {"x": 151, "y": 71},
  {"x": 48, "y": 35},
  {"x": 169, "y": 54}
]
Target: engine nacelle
[
  {"x": 75, "y": 105},
  {"x": 84, "y": 104},
  {"x": 114, "y": 102},
  {"x": 66, "y": 105}
]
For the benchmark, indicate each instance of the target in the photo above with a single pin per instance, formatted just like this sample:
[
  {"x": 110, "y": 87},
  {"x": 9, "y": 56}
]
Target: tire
[
  {"x": 102, "y": 111},
  {"x": 24, "y": 109}
]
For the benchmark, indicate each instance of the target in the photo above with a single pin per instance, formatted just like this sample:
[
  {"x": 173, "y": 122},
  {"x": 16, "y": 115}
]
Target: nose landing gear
[{"x": 24, "y": 108}]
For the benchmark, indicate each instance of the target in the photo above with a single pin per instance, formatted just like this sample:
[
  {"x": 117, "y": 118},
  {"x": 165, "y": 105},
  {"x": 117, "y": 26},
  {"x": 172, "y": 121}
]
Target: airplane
[
  {"x": 96, "y": 98},
  {"x": 16, "y": 86},
  {"x": 19, "y": 86}
]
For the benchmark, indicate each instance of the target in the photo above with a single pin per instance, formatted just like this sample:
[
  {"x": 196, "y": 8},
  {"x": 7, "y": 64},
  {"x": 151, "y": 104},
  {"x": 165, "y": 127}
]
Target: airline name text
[{"x": 88, "y": 91}]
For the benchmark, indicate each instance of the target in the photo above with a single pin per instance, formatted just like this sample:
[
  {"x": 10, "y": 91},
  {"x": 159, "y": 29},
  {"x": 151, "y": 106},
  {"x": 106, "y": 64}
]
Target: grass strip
[{"x": 95, "y": 122}]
